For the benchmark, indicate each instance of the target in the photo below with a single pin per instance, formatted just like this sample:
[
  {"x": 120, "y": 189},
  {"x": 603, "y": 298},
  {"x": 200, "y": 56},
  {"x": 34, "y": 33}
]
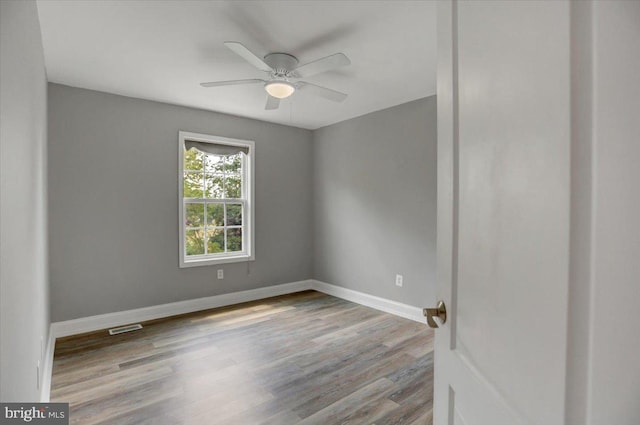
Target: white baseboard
[
  {"x": 120, "y": 318},
  {"x": 109, "y": 320},
  {"x": 383, "y": 304}
]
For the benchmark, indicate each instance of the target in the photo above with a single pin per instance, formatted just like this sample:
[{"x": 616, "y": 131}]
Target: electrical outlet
[
  {"x": 220, "y": 273},
  {"x": 399, "y": 280}
]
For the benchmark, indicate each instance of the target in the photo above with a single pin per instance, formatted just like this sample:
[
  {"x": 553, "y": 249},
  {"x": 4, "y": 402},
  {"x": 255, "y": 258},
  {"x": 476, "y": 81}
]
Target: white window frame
[{"x": 248, "y": 218}]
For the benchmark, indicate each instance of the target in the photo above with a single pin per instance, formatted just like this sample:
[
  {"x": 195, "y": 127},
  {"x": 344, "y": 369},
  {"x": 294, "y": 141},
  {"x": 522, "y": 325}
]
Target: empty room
[{"x": 319, "y": 212}]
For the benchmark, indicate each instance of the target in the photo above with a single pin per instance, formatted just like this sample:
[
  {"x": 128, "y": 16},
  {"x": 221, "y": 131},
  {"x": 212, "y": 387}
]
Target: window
[{"x": 216, "y": 199}]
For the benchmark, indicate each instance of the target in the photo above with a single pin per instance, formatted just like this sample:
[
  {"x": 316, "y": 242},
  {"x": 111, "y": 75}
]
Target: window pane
[
  {"x": 214, "y": 163},
  {"x": 215, "y": 188},
  {"x": 194, "y": 242},
  {"x": 233, "y": 187},
  {"x": 193, "y": 185},
  {"x": 215, "y": 241},
  {"x": 234, "y": 214},
  {"x": 193, "y": 160},
  {"x": 194, "y": 215},
  {"x": 215, "y": 215},
  {"x": 234, "y": 240},
  {"x": 233, "y": 164}
]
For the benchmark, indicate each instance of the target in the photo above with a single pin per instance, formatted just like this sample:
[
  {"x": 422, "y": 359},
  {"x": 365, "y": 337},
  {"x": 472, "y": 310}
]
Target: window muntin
[{"x": 216, "y": 201}]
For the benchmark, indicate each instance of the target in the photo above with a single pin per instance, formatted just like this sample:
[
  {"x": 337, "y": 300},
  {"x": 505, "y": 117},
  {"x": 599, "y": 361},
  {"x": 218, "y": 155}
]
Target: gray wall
[
  {"x": 614, "y": 370},
  {"x": 113, "y": 204},
  {"x": 24, "y": 289},
  {"x": 375, "y": 203}
]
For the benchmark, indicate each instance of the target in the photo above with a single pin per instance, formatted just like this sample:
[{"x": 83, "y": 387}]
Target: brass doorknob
[{"x": 440, "y": 312}]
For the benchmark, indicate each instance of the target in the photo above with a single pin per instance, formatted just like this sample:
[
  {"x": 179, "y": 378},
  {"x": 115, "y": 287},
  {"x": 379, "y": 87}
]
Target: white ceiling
[{"x": 162, "y": 50}]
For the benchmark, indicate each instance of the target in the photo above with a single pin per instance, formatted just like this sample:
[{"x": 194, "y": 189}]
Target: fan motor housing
[{"x": 282, "y": 63}]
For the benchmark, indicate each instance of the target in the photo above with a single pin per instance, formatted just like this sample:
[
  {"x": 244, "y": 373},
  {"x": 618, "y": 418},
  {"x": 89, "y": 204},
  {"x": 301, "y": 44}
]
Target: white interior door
[{"x": 503, "y": 211}]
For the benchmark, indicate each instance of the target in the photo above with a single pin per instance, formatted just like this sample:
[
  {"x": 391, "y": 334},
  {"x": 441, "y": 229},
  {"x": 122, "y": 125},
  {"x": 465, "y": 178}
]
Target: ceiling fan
[{"x": 282, "y": 68}]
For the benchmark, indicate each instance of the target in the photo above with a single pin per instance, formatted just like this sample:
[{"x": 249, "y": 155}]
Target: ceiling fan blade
[
  {"x": 272, "y": 103},
  {"x": 322, "y": 65},
  {"x": 329, "y": 94},
  {"x": 246, "y": 54},
  {"x": 231, "y": 82}
]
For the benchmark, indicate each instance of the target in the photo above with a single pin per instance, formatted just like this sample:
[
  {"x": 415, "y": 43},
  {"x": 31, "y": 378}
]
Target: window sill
[{"x": 215, "y": 261}]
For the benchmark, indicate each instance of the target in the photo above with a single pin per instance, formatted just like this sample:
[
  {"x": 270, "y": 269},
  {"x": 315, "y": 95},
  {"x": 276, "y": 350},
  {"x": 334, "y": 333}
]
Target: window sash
[
  {"x": 225, "y": 226},
  {"x": 224, "y": 174}
]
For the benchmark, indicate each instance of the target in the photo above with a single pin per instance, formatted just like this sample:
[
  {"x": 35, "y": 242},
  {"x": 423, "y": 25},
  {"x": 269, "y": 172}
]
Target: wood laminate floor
[{"x": 305, "y": 358}]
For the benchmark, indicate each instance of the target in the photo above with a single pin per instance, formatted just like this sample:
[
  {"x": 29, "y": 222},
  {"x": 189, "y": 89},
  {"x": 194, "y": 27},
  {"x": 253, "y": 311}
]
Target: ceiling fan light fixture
[{"x": 279, "y": 89}]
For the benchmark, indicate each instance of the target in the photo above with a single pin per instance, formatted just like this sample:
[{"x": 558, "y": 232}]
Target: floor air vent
[{"x": 123, "y": 329}]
